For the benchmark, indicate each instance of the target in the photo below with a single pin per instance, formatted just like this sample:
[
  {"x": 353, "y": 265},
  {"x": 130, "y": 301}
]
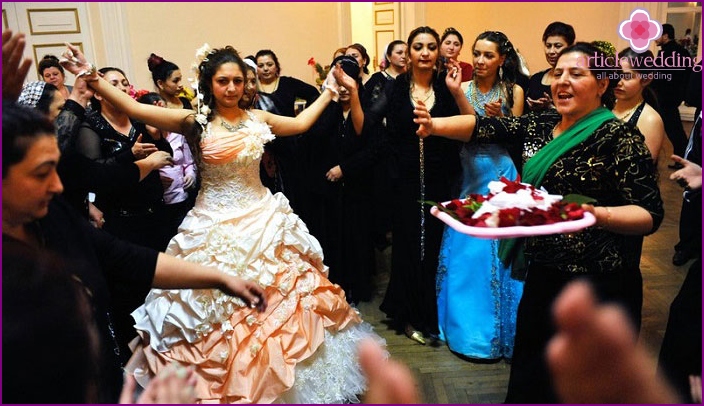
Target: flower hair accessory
[{"x": 203, "y": 109}]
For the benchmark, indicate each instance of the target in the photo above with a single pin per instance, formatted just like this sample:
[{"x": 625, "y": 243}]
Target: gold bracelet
[{"x": 608, "y": 217}]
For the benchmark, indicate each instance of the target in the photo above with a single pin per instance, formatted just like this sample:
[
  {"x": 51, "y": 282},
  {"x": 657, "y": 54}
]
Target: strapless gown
[{"x": 302, "y": 349}]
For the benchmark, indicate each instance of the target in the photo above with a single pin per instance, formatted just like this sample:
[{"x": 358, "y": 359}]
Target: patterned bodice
[{"x": 230, "y": 170}]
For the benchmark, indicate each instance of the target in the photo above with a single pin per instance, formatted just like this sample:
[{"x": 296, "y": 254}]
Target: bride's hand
[
  {"x": 248, "y": 291},
  {"x": 73, "y": 60},
  {"x": 423, "y": 119},
  {"x": 331, "y": 83}
]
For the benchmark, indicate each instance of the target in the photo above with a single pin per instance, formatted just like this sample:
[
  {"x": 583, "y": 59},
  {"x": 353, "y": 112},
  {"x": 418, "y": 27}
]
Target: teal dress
[{"x": 477, "y": 297}]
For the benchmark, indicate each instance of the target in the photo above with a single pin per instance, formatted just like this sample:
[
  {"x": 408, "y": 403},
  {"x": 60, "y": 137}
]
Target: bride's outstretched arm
[
  {"x": 283, "y": 126},
  {"x": 174, "y": 120},
  {"x": 454, "y": 127},
  {"x": 175, "y": 273}
]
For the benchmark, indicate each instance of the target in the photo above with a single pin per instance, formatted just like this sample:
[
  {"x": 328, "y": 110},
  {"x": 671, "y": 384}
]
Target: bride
[{"x": 302, "y": 348}]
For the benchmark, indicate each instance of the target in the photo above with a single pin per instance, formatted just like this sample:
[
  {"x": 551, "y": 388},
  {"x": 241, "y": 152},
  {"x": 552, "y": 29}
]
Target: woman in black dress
[
  {"x": 557, "y": 36},
  {"x": 580, "y": 147},
  {"x": 419, "y": 171},
  {"x": 281, "y": 163}
]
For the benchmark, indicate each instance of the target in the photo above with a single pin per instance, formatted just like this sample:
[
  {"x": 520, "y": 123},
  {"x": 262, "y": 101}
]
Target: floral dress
[{"x": 302, "y": 349}]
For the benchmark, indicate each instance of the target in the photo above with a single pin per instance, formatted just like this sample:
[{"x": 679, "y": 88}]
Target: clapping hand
[
  {"x": 423, "y": 119},
  {"x": 493, "y": 109},
  {"x": 343, "y": 79},
  {"x": 540, "y": 104}
]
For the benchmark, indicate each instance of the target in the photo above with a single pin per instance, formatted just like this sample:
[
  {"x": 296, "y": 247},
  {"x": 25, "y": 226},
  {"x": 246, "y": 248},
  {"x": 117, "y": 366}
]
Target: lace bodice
[{"x": 230, "y": 171}]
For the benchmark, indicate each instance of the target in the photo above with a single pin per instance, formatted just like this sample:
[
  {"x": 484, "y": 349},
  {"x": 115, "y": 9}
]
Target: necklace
[
  {"x": 629, "y": 112},
  {"x": 269, "y": 87},
  {"x": 480, "y": 99},
  {"x": 230, "y": 127},
  {"x": 428, "y": 94}
]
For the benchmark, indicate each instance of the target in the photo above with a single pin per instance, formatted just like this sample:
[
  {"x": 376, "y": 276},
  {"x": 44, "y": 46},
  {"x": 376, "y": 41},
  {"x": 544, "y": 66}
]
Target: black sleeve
[
  {"x": 78, "y": 172},
  {"x": 68, "y": 123},
  {"x": 88, "y": 144},
  {"x": 122, "y": 261},
  {"x": 304, "y": 91}
]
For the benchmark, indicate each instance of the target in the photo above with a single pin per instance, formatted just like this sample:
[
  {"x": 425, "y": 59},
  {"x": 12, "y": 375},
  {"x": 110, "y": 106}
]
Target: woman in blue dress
[{"x": 477, "y": 295}]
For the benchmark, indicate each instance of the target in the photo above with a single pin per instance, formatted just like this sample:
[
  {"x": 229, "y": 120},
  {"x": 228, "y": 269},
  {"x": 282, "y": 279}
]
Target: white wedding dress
[{"x": 302, "y": 349}]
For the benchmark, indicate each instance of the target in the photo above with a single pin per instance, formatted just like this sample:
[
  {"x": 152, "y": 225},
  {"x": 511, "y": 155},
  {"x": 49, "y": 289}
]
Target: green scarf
[{"x": 534, "y": 170}]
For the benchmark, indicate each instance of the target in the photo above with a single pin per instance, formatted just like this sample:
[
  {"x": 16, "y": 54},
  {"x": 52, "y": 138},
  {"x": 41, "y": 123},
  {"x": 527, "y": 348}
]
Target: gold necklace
[
  {"x": 428, "y": 94},
  {"x": 265, "y": 87},
  {"x": 629, "y": 112}
]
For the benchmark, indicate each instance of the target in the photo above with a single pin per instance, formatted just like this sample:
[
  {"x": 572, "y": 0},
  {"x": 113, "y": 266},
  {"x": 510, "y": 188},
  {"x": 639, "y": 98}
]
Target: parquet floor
[{"x": 445, "y": 378}]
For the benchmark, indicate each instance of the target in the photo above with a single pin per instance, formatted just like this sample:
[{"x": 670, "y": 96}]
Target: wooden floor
[{"x": 445, "y": 378}]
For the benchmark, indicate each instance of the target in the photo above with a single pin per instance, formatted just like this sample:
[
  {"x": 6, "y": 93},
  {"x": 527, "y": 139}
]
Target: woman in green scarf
[{"x": 578, "y": 148}]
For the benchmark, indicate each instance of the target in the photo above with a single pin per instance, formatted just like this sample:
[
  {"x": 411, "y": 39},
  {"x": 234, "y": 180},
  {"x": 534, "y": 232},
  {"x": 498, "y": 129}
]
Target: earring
[{"x": 501, "y": 71}]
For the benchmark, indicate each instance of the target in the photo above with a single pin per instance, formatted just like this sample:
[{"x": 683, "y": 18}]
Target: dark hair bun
[{"x": 154, "y": 61}]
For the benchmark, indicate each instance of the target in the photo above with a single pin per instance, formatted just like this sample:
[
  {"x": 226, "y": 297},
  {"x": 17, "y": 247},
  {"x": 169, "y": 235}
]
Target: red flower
[{"x": 311, "y": 61}]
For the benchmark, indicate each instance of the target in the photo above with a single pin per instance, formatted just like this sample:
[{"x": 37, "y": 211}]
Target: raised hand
[
  {"x": 73, "y": 60},
  {"x": 343, "y": 79},
  {"x": 453, "y": 80},
  {"x": 14, "y": 65}
]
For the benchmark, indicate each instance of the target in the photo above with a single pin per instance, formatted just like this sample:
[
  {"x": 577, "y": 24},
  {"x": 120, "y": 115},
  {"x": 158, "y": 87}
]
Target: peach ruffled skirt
[{"x": 302, "y": 349}]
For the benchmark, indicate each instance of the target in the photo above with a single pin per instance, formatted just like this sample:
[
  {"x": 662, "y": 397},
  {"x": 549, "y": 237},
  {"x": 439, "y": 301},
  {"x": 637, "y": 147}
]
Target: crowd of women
[{"x": 237, "y": 236}]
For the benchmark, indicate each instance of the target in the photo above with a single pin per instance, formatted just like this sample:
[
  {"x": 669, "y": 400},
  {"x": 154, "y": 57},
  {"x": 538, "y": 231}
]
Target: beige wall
[
  {"x": 298, "y": 31},
  {"x": 524, "y": 23},
  {"x": 293, "y": 32}
]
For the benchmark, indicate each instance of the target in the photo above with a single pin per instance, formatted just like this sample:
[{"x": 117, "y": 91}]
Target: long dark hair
[
  {"x": 595, "y": 54},
  {"x": 512, "y": 64},
  {"x": 648, "y": 94},
  {"x": 206, "y": 70}
]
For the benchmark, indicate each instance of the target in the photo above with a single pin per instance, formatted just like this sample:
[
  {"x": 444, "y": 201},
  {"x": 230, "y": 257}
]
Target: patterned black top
[{"x": 612, "y": 166}]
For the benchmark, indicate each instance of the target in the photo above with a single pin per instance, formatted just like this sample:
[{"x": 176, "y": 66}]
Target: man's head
[{"x": 668, "y": 34}]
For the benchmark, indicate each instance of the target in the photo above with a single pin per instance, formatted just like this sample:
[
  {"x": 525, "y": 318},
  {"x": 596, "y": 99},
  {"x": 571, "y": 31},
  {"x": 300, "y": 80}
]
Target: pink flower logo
[{"x": 639, "y": 30}]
